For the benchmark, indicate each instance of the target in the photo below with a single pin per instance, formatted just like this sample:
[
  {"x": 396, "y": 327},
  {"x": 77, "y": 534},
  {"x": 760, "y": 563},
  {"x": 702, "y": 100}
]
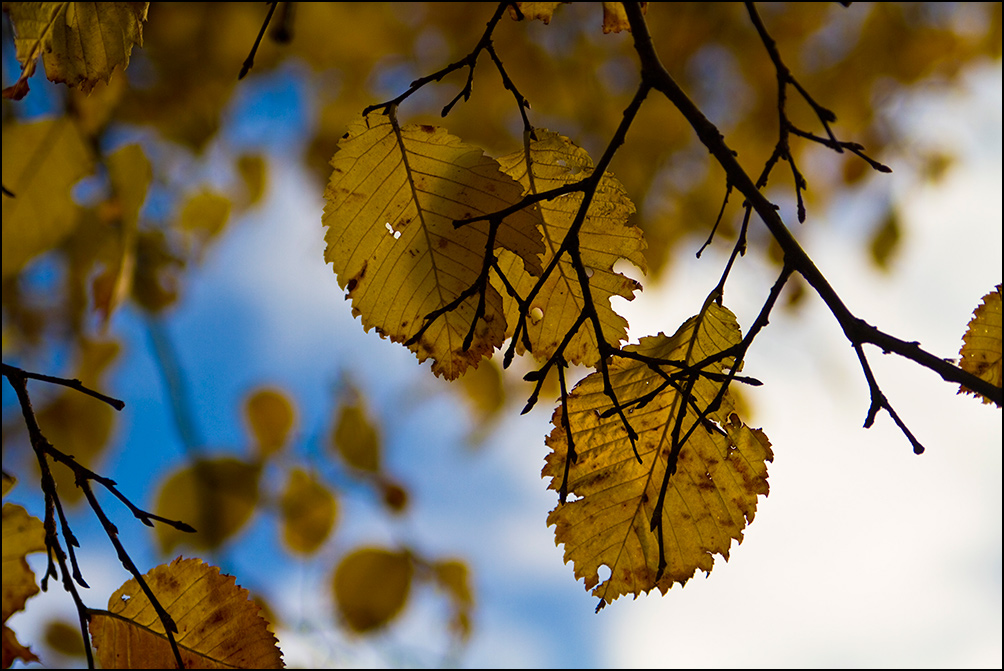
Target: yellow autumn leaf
[
  {"x": 371, "y": 586},
  {"x": 390, "y": 205},
  {"x": 217, "y": 496},
  {"x": 981, "y": 349},
  {"x": 81, "y": 43},
  {"x": 219, "y": 626},
  {"x": 355, "y": 437},
  {"x": 614, "y": 17},
  {"x": 22, "y": 535},
  {"x": 605, "y": 238},
  {"x": 270, "y": 416},
  {"x": 535, "y": 10},
  {"x": 130, "y": 174},
  {"x": 453, "y": 577},
  {"x": 709, "y": 499},
  {"x": 308, "y": 511},
  {"x": 41, "y": 162},
  {"x": 254, "y": 174}
]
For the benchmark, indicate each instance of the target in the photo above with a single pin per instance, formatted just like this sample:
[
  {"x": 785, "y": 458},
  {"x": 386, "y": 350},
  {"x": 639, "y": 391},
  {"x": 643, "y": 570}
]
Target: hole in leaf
[
  {"x": 390, "y": 229},
  {"x": 536, "y": 314},
  {"x": 604, "y": 573},
  {"x": 589, "y": 271}
]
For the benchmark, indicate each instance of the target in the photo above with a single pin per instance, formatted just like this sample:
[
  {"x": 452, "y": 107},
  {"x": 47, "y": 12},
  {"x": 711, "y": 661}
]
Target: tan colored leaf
[
  {"x": 64, "y": 637},
  {"x": 254, "y": 173},
  {"x": 371, "y": 586},
  {"x": 270, "y": 416},
  {"x": 355, "y": 437},
  {"x": 41, "y": 162},
  {"x": 536, "y": 10},
  {"x": 22, "y": 535},
  {"x": 219, "y": 626},
  {"x": 308, "y": 510},
  {"x": 216, "y": 496},
  {"x": 204, "y": 215},
  {"x": 453, "y": 577},
  {"x": 390, "y": 205},
  {"x": 615, "y": 18},
  {"x": 981, "y": 349},
  {"x": 605, "y": 238},
  {"x": 711, "y": 496},
  {"x": 81, "y": 43}
]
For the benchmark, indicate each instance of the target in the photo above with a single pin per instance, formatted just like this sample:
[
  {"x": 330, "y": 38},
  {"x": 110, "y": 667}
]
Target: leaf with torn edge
[
  {"x": 219, "y": 626},
  {"x": 390, "y": 205},
  {"x": 981, "y": 349},
  {"x": 81, "y": 43},
  {"x": 22, "y": 535},
  {"x": 604, "y": 238},
  {"x": 708, "y": 501}
]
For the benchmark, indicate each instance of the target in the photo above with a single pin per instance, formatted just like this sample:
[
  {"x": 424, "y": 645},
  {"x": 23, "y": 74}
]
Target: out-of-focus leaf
[
  {"x": 130, "y": 174},
  {"x": 308, "y": 511},
  {"x": 154, "y": 285},
  {"x": 270, "y": 415},
  {"x": 81, "y": 43},
  {"x": 355, "y": 436},
  {"x": 885, "y": 240},
  {"x": 41, "y": 162},
  {"x": 605, "y": 237},
  {"x": 453, "y": 577},
  {"x": 981, "y": 349},
  {"x": 390, "y": 205},
  {"x": 204, "y": 215},
  {"x": 22, "y": 535},
  {"x": 217, "y": 496},
  {"x": 371, "y": 586},
  {"x": 710, "y": 497},
  {"x": 253, "y": 172},
  {"x": 219, "y": 626},
  {"x": 394, "y": 496},
  {"x": 64, "y": 638},
  {"x": 484, "y": 390}
]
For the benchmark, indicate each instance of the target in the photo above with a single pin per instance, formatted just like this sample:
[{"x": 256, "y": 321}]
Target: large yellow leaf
[
  {"x": 981, "y": 349},
  {"x": 371, "y": 586},
  {"x": 709, "y": 499},
  {"x": 80, "y": 42},
  {"x": 390, "y": 205},
  {"x": 41, "y": 162},
  {"x": 219, "y": 626},
  {"x": 605, "y": 237},
  {"x": 22, "y": 535},
  {"x": 216, "y": 496}
]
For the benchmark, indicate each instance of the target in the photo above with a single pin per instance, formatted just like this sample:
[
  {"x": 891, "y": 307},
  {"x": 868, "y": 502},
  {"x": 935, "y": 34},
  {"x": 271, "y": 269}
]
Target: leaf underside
[{"x": 709, "y": 499}]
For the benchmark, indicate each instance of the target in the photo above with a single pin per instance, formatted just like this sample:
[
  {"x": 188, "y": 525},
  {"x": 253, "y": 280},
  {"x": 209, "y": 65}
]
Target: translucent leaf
[
  {"x": 203, "y": 217},
  {"x": 22, "y": 535},
  {"x": 709, "y": 499},
  {"x": 390, "y": 205},
  {"x": 371, "y": 586},
  {"x": 130, "y": 174},
  {"x": 41, "y": 162},
  {"x": 355, "y": 436},
  {"x": 981, "y": 349},
  {"x": 453, "y": 577},
  {"x": 308, "y": 512},
  {"x": 80, "y": 42},
  {"x": 270, "y": 416},
  {"x": 219, "y": 627},
  {"x": 605, "y": 237},
  {"x": 216, "y": 496}
]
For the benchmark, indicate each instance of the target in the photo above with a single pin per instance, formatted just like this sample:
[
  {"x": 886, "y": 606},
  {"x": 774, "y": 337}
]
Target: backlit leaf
[
  {"x": 308, "y": 512},
  {"x": 81, "y": 43},
  {"x": 355, "y": 436},
  {"x": 371, "y": 586},
  {"x": 219, "y": 626},
  {"x": 453, "y": 577},
  {"x": 605, "y": 237},
  {"x": 22, "y": 535},
  {"x": 711, "y": 496},
  {"x": 216, "y": 496},
  {"x": 41, "y": 162},
  {"x": 270, "y": 416},
  {"x": 981, "y": 349},
  {"x": 390, "y": 205},
  {"x": 204, "y": 215}
]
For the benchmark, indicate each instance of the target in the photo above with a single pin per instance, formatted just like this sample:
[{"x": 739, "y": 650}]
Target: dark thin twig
[
  {"x": 249, "y": 61},
  {"x": 72, "y": 384}
]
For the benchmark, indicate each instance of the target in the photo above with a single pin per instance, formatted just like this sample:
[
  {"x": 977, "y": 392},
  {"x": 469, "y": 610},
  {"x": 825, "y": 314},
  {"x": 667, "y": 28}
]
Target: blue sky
[{"x": 863, "y": 554}]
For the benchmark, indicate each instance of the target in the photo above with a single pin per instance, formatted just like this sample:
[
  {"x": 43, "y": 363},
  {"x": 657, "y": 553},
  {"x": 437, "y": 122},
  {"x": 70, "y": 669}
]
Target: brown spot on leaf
[{"x": 427, "y": 129}]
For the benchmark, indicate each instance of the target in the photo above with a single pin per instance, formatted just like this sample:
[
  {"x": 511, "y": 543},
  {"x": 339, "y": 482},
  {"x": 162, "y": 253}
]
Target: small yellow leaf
[
  {"x": 217, "y": 496},
  {"x": 41, "y": 162},
  {"x": 454, "y": 578},
  {"x": 536, "y": 10},
  {"x": 981, "y": 349},
  {"x": 22, "y": 535},
  {"x": 252, "y": 170},
  {"x": 204, "y": 215},
  {"x": 371, "y": 586},
  {"x": 308, "y": 510},
  {"x": 81, "y": 43},
  {"x": 219, "y": 627},
  {"x": 709, "y": 499},
  {"x": 355, "y": 436},
  {"x": 270, "y": 415},
  {"x": 64, "y": 638}
]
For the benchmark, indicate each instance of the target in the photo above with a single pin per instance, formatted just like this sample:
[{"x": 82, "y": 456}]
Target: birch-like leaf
[
  {"x": 710, "y": 497},
  {"x": 219, "y": 626},
  {"x": 81, "y": 43},
  {"x": 981, "y": 349},
  {"x": 391, "y": 203},
  {"x": 605, "y": 237}
]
